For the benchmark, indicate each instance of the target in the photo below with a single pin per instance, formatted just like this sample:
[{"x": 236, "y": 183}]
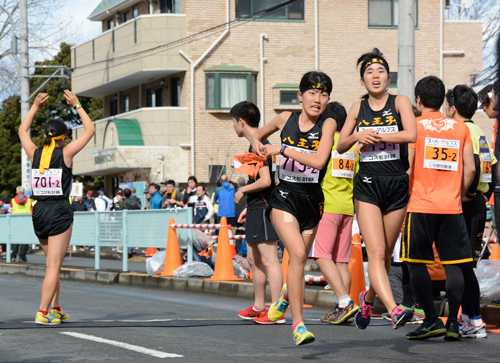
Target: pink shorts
[{"x": 334, "y": 238}]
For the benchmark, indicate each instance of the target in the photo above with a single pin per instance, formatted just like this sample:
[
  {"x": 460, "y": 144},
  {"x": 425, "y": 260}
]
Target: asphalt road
[{"x": 117, "y": 323}]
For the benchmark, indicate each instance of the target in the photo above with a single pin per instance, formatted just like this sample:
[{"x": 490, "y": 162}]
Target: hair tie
[{"x": 50, "y": 134}]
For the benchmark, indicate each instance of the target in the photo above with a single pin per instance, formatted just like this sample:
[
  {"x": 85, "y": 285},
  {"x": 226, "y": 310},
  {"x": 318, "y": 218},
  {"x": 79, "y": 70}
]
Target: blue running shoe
[{"x": 362, "y": 318}]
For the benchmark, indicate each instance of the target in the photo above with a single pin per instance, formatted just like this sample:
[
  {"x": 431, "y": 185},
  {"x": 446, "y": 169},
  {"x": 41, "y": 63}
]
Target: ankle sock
[
  {"x": 476, "y": 321},
  {"x": 297, "y": 323},
  {"x": 44, "y": 312},
  {"x": 344, "y": 301},
  {"x": 58, "y": 308},
  {"x": 253, "y": 308},
  {"x": 285, "y": 295}
]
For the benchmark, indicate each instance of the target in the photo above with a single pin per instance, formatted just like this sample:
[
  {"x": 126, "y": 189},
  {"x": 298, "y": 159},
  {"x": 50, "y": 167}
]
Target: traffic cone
[
  {"x": 224, "y": 270},
  {"x": 495, "y": 252},
  {"x": 150, "y": 251},
  {"x": 356, "y": 269},
  {"x": 172, "y": 256}
]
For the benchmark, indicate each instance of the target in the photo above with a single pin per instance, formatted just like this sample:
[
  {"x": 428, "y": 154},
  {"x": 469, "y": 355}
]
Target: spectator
[
  {"x": 79, "y": 205},
  {"x": 155, "y": 199},
  {"x": 216, "y": 206},
  {"x": 116, "y": 199},
  {"x": 225, "y": 199},
  {"x": 147, "y": 196},
  {"x": 20, "y": 204},
  {"x": 125, "y": 202},
  {"x": 191, "y": 191},
  {"x": 102, "y": 202},
  {"x": 172, "y": 198},
  {"x": 90, "y": 201},
  {"x": 163, "y": 189},
  {"x": 3, "y": 208},
  {"x": 135, "y": 197},
  {"x": 243, "y": 202},
  {"x": 231, "y": 183},
  {"x": 203, "y": 208},
  {"x": 182, "y": 191}
]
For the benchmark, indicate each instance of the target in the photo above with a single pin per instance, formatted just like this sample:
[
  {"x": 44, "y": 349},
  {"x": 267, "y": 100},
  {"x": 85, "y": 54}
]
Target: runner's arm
[
  {"x": 469, "y": 168},
  {"x": 262, "y": 183},
  {"x": 264, "y": 132},
  {"x": 348, "y": 137},
  {"x": 28, "y": 145},
  {"x": 409, "y": 134},
  {"x": 317, "y": 161},
  {"x": 411, "y": 159}
]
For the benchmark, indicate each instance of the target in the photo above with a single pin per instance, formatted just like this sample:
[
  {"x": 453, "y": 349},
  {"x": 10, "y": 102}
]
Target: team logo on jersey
[
  {"x": 387, "y": 113},
  {"x": 439, "y": 124},
  {"x": 313, "y": 135},
  {"x": 283, "y": 194},
  {"x": 367, "y": 179}
]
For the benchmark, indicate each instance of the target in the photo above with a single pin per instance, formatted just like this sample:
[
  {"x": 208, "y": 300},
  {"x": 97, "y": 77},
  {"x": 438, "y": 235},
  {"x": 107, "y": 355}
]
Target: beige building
[{"x": 161, "y": 123}]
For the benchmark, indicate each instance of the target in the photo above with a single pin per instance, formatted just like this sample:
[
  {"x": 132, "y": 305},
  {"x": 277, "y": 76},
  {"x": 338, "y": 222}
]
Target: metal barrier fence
[{"x": 128, "y": 228}]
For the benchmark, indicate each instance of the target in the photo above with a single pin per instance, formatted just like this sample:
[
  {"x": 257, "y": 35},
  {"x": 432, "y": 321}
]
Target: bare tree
[
  {"x": 46, "y": 29},
  {"x": 487, "y": 11}
]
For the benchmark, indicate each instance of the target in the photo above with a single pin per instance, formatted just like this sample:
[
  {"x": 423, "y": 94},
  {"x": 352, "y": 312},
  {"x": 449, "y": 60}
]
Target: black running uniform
[
  {"x": 299, "y": 192},
  {"x": 382, "y": 179},
  {"x": 52, "y": 214},
  {"x": 257, "y": 227}
]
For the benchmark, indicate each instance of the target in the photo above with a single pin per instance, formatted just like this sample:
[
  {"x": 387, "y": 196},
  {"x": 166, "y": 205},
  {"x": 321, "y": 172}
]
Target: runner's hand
[
  {"x": 257, "y": 148},
  {"x": 238, "y": 196},
  {"x": 41, "y": 100},
  {"x": 269, "y": 150},
  {"x": 71, "y": 98},
  {"x": 359, "y": 149},
  {"x": 368, "y": 137},
  {"x": 243, "y": 216}
]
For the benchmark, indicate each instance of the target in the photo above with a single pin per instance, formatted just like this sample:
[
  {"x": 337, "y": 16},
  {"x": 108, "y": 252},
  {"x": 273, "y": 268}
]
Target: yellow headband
[{"x": 47, "y": 152}]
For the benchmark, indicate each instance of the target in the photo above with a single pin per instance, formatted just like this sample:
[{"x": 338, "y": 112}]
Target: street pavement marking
[
  {"x": 71, "y": 269},
  {"x": 135, "y": 348},
  {"x": 236, "y": 282},
  {"x": 135, "y": 274}
]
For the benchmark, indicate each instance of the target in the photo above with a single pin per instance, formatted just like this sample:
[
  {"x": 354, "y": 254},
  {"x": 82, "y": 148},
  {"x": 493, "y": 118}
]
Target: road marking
[
  {"x": 135, "y": 348},
  {"x": 132, "y": 321}
]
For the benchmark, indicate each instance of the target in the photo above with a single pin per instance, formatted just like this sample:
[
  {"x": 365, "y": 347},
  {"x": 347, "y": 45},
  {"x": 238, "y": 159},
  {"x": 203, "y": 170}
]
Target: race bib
[
  {"x": 343, "y": 165},
  {"x": 294, "y": 172},
  {"x": 441, "y": 154},
  {"x": 48, "y": 183},
  {"x": 381, "y": 151},
  {"x": 484, "y": 150}
]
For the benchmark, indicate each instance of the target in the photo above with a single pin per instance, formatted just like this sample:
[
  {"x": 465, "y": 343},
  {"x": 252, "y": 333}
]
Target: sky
[{"x": 80, "y": 10}]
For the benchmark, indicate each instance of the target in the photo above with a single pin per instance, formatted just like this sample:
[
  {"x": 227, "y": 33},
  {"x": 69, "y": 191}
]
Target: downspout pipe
[
  {"x": 193, "y": 67},
  {"x": 262, "y": 60},
  {"x": 316, "y": 34}
]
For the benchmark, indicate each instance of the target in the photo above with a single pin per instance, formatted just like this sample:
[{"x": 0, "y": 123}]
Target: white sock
[
  {"x": 254, "y": 309},
  {"x": 344, "y": 301},
  {"x": 476, "y": 321}
]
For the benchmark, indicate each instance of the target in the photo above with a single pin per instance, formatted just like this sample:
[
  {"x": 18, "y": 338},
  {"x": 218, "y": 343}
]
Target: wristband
[
  {"x": 282, "y": 151},
  {"x": 78, "y": 105},
  {"x": 470, "y": 195}
]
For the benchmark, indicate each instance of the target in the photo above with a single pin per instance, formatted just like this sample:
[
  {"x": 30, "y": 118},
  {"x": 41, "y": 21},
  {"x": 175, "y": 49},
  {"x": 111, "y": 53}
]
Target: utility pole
[
  {"x": 406, "y": 49},
  {"x": 25, "y": 89}
]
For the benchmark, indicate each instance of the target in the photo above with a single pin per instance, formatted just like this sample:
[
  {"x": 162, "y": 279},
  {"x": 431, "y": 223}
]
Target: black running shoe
[
  {"x": 452, "y": 331},
  {"x": 428, "y": 330}
]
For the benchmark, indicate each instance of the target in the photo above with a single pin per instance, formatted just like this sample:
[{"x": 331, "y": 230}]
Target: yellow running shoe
[
  {"x": 61, "y": 315},
  {"x": 278, "y": 309},
  {"x": 301, "y": 335},
  {"x": 48, "y": 319}
]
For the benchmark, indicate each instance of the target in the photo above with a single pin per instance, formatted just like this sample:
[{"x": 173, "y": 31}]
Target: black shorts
[
  {"x": 388, "y": 192},
  {"x": 52, "y": 218},
  {"x": 258, "y": 228},
  {"x": 448, "y": 231},
  {"x": 306, "y": 208}
]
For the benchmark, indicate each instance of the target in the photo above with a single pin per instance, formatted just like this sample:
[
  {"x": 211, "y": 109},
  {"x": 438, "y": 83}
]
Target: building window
[
  {"x": 126, "y": 103},
  {"x": 169, "y": 6},
  {"x": 394, "y": 80},
  {"x": 111, "y": 24},
  {"x": 224, "y": 90},
  {"x": 135, "y": 11},
  {"x": 289, "y": 98},
  {"x": 113, "y": 107},
  {"x": 126, "y": 16},
  {"x": 215, "y": 172},
  {"x": 384, "y": 13},
  {"x": 245, "y": 9},
  {"x": 155, "y": 97},
  {"x": 176, "y": 91}
]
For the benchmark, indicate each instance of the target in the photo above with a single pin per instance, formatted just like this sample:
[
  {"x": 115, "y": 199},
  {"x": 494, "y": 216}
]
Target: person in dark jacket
[
  {"x": 190, "y": 191},
  {"x": 79, "y": 205},
  {"x": 125, "y": 202},
  {"x": 225, "y": 200}
]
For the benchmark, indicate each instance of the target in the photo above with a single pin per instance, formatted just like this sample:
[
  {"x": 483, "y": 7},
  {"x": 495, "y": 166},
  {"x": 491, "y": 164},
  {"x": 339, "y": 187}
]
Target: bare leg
[
  {"x": 332, "y": 275},
  {"x": 259, "y": 277},
  {"x": 343, "y": 268},
  {"x": 269, "y": 257},
  {"x": 55, "y": 249}
]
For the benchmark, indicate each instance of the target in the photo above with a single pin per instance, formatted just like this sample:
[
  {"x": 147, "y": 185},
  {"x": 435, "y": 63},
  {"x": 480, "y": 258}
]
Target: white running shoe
[{"x": 470, "y": 331}]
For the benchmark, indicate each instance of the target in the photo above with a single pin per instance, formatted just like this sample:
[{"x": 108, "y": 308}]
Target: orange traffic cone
[
  {"x": 224, "y": 270},
  {"x": 150, "y": 251},
  {"x": 495, "y": 252},
  {"x": 173, "y": 256},
  {"x": 232, "y": 248},
  {"x": 356, "y": 269}
]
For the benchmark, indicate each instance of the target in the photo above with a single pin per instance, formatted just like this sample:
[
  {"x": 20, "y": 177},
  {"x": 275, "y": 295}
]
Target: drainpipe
[
  {"x": 316, "y": 31},
  {"x": 262, "y": 60},
  {"x": 193, "y": 67},
  {"x": 441, "y": 15}
]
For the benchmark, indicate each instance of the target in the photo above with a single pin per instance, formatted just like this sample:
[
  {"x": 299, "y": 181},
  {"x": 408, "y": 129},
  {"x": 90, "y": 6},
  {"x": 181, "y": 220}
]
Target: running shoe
[
  {"x": 61, "y": 315},
  {"x": 264, "y": 319},
  {"x": 278, "y": 309},
  {"x": 48, "y": 319},
  {"x": 250, "y": 313},
  {"x": 452, "y": 331},
  {"x": 428, "y": 330},
  {"x": 496, "y": 301},
  {"x": 301, "y": 335},
  {"x": 328, "y": 316},
  {"x": 344, "y": 314},
  {"x": 386, "y": 316},
  {"x": 470, "y": 331},
  {"x": 362, "y": 318},
  {"x": 400, "y": 317}
]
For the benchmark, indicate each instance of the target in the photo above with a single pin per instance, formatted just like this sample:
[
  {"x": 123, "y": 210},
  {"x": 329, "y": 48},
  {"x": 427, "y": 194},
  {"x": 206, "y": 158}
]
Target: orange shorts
[{"x": 334, "y": 238}]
